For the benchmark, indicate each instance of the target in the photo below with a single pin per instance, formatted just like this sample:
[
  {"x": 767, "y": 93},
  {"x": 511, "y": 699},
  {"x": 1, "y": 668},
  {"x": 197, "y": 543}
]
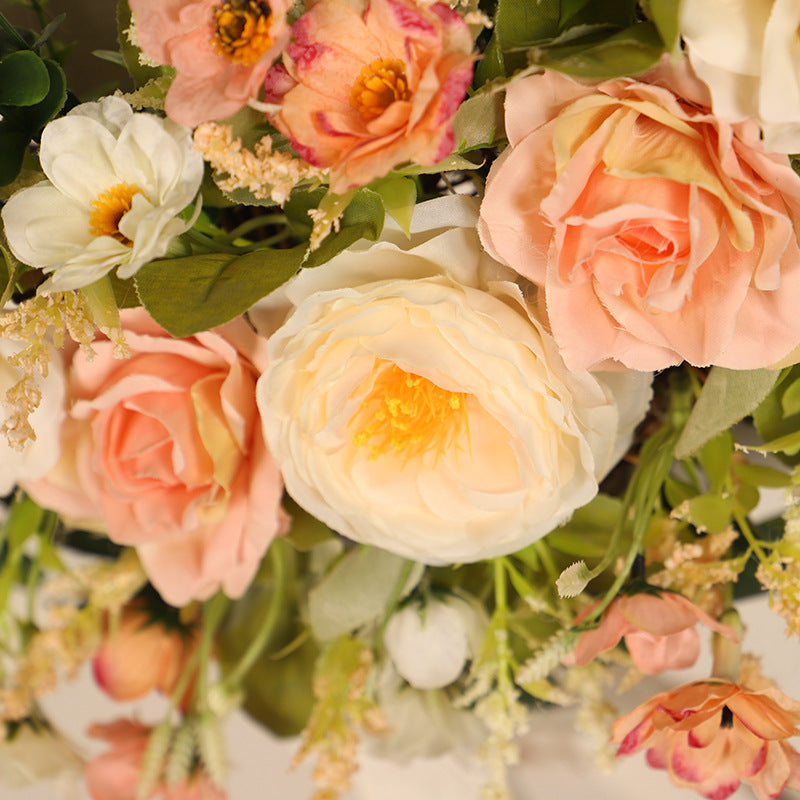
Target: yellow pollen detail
[
  {"x": 379, "y": 85},
  {"x": 242, "y": 30},
  {"x": 109, "y": 208},
  {"x": 406, "y": 413}
]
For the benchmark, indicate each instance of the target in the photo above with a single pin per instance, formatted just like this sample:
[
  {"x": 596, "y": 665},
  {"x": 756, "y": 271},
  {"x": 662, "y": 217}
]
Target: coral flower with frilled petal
[
  {"x": 713, "y": 735},
  {"x": 362, "y": 93},
  {"x": 221, "y": 50},
  {"x": 659, "y": 631}
]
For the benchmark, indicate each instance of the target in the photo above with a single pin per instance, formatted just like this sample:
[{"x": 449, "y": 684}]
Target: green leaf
[
  {"x": 24, "y": 79},
  {"x": 39, "y": 115},
  {"x": 762, "y": 475},
  {"x": 139, "y": 72},
  {"x": 479, "y": 121},
  {"x": 569, "y": 8},
  {"x": 195, "y": 293},
  {"x": 399, "y": 195},
  {"x": 588, "y": 532},
  {"x": 665, "y": 15},
  {"x": 790, "y": 399},
  {"x": 363, "y": 219},
  {"x": 13, "y": 145},
  {"x": 727, "y": 397},
  {"x": 357, "y": 590},
  {"x": 306, "y": 531},
  {"x": 707, "y": 512},
  {"x": 628, "y": 52},
  {"x": 715, "y": 458}
]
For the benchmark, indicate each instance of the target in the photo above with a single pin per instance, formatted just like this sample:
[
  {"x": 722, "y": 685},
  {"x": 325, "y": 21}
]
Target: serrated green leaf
[
  {"x": 399, "y": 196},
  {"x": 628, "y": 52},
  {"x": 212, "y": 289},
  {"x": 727, "y": 397},
  {"x": 24, "y": 80},
  {"x": 357, "y": 590}
]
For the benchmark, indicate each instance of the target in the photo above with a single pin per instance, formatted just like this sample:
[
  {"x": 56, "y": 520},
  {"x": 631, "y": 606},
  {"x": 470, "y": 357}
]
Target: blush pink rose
[
  {"x": 138, "y": 655},
  {"x": 115, "y": 775},
  {"x": 659, "y": 631},
  {"x": 361, "y": 93},
  {"x": 657, "y": 232},
  {"x": 221, "y": 51},
  {"x": 164, "y": 451}
]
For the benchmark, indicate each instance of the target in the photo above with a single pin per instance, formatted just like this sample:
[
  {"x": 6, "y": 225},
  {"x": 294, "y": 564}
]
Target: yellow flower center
[
  {"x": 109, "y": 208},
  {"x": 241, "y": 30},
  {"x": 378, "y": 86},
  {"x": 406, "y": 413}
]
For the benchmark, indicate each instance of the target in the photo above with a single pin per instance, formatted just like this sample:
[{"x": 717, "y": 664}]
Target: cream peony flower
[
  {"x": 413, "y": 401},
  {"x": 431, "y": 643},
  {"x": 748, "y": 52},
  {"x": 116, "y": 184}
]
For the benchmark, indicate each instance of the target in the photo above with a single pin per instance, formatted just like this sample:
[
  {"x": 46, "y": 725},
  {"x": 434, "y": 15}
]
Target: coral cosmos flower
[
  {"x": 415, "y": 403},
  {"x": 116, "y": 184},
  {"x": 164, "y": 450},
  {"x": 659, "y": 630},
  {"x": 221, "y": 50},
  {"x": 713, "y": 735},
  {"x": 748, "y": 54},
  {"x": 115, "y": 774},
  {"x": 368, "y": 91},
  {"x": 670, "y": 234}
]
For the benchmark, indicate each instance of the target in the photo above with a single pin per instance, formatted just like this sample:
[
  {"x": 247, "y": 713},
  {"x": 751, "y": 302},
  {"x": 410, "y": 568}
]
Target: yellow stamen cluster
[
  {"x": 109, "y": 208},
  {"x": 242, "y": 31},
  {"x": 379, "y": 85},
  {"x": 406, "y": 413}
]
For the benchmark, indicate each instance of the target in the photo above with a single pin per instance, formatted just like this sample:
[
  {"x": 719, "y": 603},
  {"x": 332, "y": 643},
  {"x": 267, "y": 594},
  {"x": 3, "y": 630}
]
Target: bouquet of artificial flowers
[{"x": 377, "y": 367}]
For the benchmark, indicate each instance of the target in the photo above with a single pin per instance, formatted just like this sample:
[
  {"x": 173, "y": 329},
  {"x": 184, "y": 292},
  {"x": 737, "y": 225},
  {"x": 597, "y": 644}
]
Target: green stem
[
  {"x": 504, "y": 666},
  {"x": 209, "y": 245},
  {"x": 12, "y": 32},
  {"x": 251, "y": 225},
  {"x": 264, "y": 633},
  {"x": 213, "y": 612},
  {"x": 11, "y": 268},
  {"x": 755, "y": 544}
]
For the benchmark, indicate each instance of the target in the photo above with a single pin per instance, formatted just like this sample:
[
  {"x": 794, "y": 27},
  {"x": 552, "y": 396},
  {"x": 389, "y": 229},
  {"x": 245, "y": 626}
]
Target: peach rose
[
  {"x": 115, "y": 775},
  {"x": 713, "y": 735},
  {"x": 364, "y": 92},
  {"x": 659, "y": 632},
  {"x": 221, "y": 50},
  {"x": 657, "y": 232},
  {"x": 164, "y": 450},
  {"x": 139, "y": 654}
]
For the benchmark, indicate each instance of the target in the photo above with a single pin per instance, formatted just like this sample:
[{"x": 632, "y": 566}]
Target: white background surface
[{"x": 556, "y": 760}]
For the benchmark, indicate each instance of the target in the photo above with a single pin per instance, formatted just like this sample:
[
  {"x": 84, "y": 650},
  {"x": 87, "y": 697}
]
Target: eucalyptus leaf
[
  {"x": 194, "y": 293},
  {"x": 24, "y": 79},
  {"x": 727, "y": 397},
  {"x": 357, "y": 590}
]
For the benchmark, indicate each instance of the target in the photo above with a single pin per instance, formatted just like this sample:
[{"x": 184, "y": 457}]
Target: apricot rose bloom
[
  {"x": 713, "y": 735},
  {"x": 415, "y": 403},
  {"x": 362, "y": 92},
  {"x": 659, "y": 630},
  {"x": 220, "y": 50},
  {"x": 115, "y": 774},
  {"x": 657, "y": 232},
  {"x": 164, "y": 451}
]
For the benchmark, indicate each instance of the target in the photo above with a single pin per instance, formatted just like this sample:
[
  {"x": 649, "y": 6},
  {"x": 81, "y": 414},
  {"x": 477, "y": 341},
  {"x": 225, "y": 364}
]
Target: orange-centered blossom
[
  {"x": 409, "y": 414},
  {"x": 242, "y": 30},
  {"x": 379, "y": 84},
  {"x": 109, "y": 208}
]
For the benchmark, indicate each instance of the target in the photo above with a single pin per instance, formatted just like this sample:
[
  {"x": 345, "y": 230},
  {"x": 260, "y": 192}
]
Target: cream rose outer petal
[
  {"x": 116, "y": 183},
  {"x": 530, "y": 439}
]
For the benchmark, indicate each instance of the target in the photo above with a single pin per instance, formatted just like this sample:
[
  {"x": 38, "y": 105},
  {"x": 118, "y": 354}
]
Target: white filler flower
[
  {"x": 116, "y": 182},
  {"x": 413, "y": 402}
]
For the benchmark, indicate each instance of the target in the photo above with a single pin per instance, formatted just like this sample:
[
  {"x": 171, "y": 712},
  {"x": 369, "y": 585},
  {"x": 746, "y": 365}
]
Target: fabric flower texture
[
  {"x": 659, "y": 630},
  {"x": 221, "y": 51},
  {"x": 713, "y": 735},
  {"x": 749, "y": 55},
  {"x": 657, "y": 232},
  {"x": 362, "y": 93},
  {"x": 164, "y": 450},
  {"x": 414, "y": 403},
  {"x": 116, "y": 774},
  {"x": 117, "y": 182}
]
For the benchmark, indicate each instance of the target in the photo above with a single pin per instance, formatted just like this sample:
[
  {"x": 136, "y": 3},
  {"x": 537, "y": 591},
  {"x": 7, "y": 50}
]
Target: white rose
[
  {"x": 37, "y": 457},
  {"x": 116, "y": 184},
  {"x": 430, "y": 643},
  {"x": 414, "y": 403},
  {"x": 748, "y": 52}
]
